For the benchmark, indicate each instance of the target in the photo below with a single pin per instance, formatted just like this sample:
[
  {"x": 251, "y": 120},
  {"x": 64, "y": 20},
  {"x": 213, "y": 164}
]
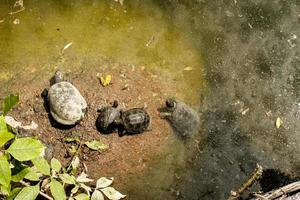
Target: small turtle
[
  {"x": 67, "y": 106},
  {"x": 106, "y": 121},
  {"x": 135, "y": 120},
  {"x": 183, "y": 119}
]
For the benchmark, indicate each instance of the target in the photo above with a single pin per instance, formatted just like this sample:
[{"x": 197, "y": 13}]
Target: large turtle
[
  {"x": 135, "y": 120},
  {"x": 183, "y": 119},
  {"x": 106, "y": 121},
  {"x": 66, "y": 104}
]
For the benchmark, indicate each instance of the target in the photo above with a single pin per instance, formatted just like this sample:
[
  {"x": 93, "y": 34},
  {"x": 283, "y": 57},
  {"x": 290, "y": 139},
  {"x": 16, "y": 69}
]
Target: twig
[
  {"x": 15, "y": 12},
  {"x": 293, "y": 187},
  {"x": 41, "y": 193},
  {"x": 256, "y": 174}
]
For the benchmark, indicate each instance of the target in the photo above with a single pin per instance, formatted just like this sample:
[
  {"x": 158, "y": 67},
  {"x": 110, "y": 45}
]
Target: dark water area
[{"x": 245, "y": 56}]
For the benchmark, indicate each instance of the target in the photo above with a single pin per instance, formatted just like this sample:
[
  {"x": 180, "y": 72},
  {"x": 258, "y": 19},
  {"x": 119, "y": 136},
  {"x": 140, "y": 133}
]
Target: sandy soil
[{"x": 127, "y": 155}]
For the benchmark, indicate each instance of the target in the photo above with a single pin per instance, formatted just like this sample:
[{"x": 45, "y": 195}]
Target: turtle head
[
  {"x": 171, "y": 104},
  {"x": 58, "y": 76}
]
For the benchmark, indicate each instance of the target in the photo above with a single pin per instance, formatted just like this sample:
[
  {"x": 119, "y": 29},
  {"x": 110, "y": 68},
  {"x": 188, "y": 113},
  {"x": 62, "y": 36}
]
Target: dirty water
[{"x": 236, "y": 62}]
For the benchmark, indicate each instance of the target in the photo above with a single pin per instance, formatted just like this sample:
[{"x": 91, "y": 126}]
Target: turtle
[
  {"x": 134, "y": 121},
  {"x": 67, "y": 106},
  {"x": 183, "y": 119},
  {"x": 106, "y": 120}
]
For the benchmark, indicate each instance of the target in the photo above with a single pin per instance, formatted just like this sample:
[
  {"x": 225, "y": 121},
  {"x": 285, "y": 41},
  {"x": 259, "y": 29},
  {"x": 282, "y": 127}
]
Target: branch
[{"x": 256, "y": 174}]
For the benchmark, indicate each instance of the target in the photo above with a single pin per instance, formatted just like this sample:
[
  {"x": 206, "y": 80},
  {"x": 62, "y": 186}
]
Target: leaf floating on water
[
  {"x": 67, "y": 46},
  {"x": 105, "y": 81},
  {"x": 188, "y": 69},
  {"x": 96, "y": 145},
  {"x": 16, "y": 21},
  {"x": 279, "y": 122}
]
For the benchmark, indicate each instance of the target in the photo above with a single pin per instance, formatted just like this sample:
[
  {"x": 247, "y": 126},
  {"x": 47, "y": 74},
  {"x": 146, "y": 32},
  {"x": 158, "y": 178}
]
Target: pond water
[{"x": 236, "y": 62}]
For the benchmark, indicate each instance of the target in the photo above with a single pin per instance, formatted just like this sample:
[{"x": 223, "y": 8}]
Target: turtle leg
[
  {"x": 44, "y": 94},
  {"x": 165, "y": 114}
]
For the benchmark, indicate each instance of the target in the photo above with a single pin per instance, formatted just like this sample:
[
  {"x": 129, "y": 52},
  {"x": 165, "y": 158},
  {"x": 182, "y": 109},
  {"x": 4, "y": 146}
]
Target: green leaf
[
  {"x": 9, "y": 102},
  {"x": 57, "y": 190},
  {"x": 82, "y": 196},
  {"x": 13, "y": 193},
  {"x": 104, "y": 182},
  {"x": 111, "y": 193},
  {"x": 33, "y": 175},
  {"x": 42, "y": 165},
  {"x": 66, "y": 178},
  {"x": 5, "y": 172},
  {"x": 24, "y": 149},
  {"x": 28, "y": 193},
  {"x": 96, "y": 145},
  {"x": 5, "y": 135},
  {"x": 97, "y": 195},
  {"x": 55, "y": 165},
  {"x": 5, "y": 189},
  {"x": 20, "y": 175},
  {"x": 72, "y": 139}
]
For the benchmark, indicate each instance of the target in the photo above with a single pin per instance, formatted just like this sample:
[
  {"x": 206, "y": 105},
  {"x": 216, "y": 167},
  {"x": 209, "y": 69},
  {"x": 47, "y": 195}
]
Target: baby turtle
[
  {"x": 183, "y": 119},
  {"x": 67, "y": 106},
  {"x": 106, "y": 121},
  {"x": 135, "y": 120}
]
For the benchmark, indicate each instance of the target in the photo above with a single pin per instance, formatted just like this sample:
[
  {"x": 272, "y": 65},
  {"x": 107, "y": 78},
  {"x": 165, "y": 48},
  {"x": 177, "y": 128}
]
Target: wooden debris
[{"x": 234, "y": 195}]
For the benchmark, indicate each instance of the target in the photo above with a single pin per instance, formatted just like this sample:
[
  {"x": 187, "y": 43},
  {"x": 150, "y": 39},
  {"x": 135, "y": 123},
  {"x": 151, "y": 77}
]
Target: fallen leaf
[
  {"x": 279, "y": 122},
  {"x": 105, "y": 81},
  {"x": 16, "y": 21},
  {"x": 82, "y": 178},
  {"x": 188, "y": 69},
  {"x": 67, "y": 46},
  {"x": 96, "y": 145},
  {"x": 72, "y": 139}
]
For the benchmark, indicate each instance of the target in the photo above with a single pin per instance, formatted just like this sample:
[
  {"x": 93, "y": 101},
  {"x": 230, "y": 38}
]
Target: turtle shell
[
  {"x": 67, "y": 105},
  {"x": 106, "y": 117},
  {"x": 135, "y": 120}
]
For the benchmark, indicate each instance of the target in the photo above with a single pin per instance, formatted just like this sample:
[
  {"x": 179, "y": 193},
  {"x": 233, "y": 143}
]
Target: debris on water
[
  {"x": 16, "y": 21},
  {"x": 126, "y": 87},
  {"x": 292, "y": 40},
  {"x": 244, "y": 112},
  {"x": 1, "y": 21},
  {"x": 150, "y": 41},
  {"x": 19, "y": 3},
  {"x": 120, "y": 1},
  {"x": 67, "y": 46},
  {"x": 15, "y": 124},
  {"x": 104, "y": 80},
  {"x": 188, "y": 69},
  {"x": 279, "y": 122}
]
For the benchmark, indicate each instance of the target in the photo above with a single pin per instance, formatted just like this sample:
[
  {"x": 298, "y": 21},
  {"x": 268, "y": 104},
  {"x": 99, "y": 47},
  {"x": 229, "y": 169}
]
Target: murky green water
[
  {"x": 246, "y": 50},
  {"x": 137, "y": 34}
]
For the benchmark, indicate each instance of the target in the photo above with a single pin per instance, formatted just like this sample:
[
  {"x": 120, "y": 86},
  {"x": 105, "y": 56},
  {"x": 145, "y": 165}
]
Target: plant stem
[{"x": 41, "y": 193}]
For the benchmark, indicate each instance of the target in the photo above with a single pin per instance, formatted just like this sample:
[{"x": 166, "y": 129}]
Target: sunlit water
[{"x": 246, "y": 51}]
